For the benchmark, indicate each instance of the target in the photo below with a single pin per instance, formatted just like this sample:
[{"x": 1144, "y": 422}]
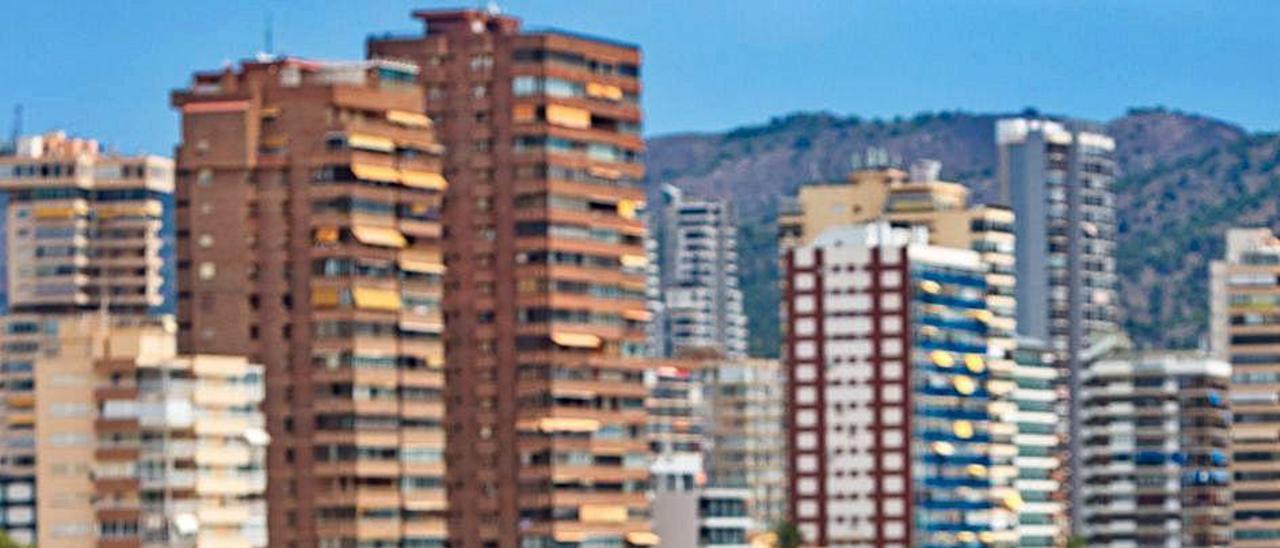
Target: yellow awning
[
  {"x": 643, "y": 538},
  {"x": 964, "y": 385},
  {"x": 1012, "y": 500},
  {"x": 576, "y": 340},
  {"x": 602, "y": 513},
  {"x": 371, "y": 298},
  {"x": 326, "y": 235},
  {"x": 370, "y": 142},
  {"x": 941, "y": 358},
  {"x": 627, "y": 209},
  {"x": 570, "y": 117},
  {"x": 974, "y": 363},
  {"x": 419, "y": 265},
  {"x": 564, "y": 424},
  {"x": 366, "y": 172},
  {"x": 635, "y": 261},
  {"x": 324, "y": 297},
  {"x": 54, "y": 212},
  {"x": 385, "y": 237},
  {"x": 423, "y": 179},
  {"x": 406, "y": 118},
  {"x": 962, "y": 429},
  {"x": 604, "y": 91}
]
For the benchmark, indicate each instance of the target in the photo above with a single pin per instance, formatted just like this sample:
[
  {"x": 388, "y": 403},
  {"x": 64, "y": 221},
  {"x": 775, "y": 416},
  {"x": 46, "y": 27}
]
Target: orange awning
[
  {"x": 370, "y": 142},
  {"x": 366, "y": 172},
  {"x": 570, "y": 117},
  {"x": 423, "y": 179},
  {"x": 576, "y": 340},
  {"x": 643, "y": 538},
  {"x": 372, "y": 298},
  {"x": 385, "y": 237},
  {"x": 406, "y": 118},
  {"x": 604, "y": 91}
]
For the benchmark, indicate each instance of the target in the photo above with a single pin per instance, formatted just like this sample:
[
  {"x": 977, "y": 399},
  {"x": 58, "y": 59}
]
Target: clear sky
[{"x": 104, "y": 68}]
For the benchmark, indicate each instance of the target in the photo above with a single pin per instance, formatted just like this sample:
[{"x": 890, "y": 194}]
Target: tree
[
  {"x": 6, "y": 542},
  {"x": 787, "y": 535}
]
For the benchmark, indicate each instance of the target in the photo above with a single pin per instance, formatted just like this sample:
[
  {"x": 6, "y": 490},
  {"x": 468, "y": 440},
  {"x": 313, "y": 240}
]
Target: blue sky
[{"x": 104, "y": 68}]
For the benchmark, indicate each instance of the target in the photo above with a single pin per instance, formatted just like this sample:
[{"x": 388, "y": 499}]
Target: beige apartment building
[
  {"x": 1245, "y": 331},
  {"x": 137, "y": 446},
  {"x": 747, "y": 449},
  {"x": 83, "y": 230},
  {"x": 309, "y": 199}
]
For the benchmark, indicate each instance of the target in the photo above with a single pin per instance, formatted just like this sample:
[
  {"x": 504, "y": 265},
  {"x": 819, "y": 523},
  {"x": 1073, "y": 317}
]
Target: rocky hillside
[{"x": 1184, "y": 178}]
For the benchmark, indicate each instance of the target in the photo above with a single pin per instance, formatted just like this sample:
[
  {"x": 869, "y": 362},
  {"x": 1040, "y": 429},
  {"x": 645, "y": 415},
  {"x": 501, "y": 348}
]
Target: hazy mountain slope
[
  {"x": 1172, "y": 223},
  {"x": 756, "y": 165}
]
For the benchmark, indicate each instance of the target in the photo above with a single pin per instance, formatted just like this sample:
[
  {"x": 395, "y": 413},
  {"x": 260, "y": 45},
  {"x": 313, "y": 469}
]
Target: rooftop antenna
[
  {"x": 268, "y": 36},
  {"x": 17, "y": 125}
]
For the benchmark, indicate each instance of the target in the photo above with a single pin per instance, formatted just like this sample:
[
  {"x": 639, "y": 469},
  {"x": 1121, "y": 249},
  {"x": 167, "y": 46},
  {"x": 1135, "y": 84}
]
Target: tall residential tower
[
  {"x": 1057, "y": 176},
  {"x": 899, "y": 427},
  {"x": 545, "y": 301},
  {"x": 309, "y": 197},
  {"x": 1245, "y": 330},
  {"x": 81, "y": 230},
  {"x": 696, "y": 300}
]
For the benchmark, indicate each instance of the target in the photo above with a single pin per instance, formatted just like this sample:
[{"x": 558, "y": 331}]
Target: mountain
[{"x": 1184, "y": 161}]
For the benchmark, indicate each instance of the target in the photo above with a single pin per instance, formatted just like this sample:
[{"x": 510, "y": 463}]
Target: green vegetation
[{"x": 787, "y": 535}]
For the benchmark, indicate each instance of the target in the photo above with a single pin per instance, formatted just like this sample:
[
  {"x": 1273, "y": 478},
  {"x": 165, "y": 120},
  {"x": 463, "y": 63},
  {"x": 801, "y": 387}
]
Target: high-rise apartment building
[
  {"x": 688, "y": 508},
  {"x": 180, "y": 458},
  {"x": 746, "y": 399},
  {"x": 918, "y": 198},
  {"x": 1057, "y": 176},
  {"x": 309, "y": 214},
  {"x": 898, "y": 427},
  {"x": 1040, "y": 399},
  {"x": 678, "y": 430},
  {"x": 694, "y": 290},
  {"x": 1245, "y": 330},
  {"x": 1156, "y": 439},
  {"x": 546, "y": 284},
  {"x": 80, "y": 224},
  {"x": 136, "y": 445},
  {"x": 82, "y": 230}
]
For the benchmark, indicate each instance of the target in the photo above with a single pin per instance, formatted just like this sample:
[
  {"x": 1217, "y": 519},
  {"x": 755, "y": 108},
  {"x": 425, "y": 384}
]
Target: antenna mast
[
  {"x": 17, "y": 125},
  {"x": 268, "y": 36}
]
